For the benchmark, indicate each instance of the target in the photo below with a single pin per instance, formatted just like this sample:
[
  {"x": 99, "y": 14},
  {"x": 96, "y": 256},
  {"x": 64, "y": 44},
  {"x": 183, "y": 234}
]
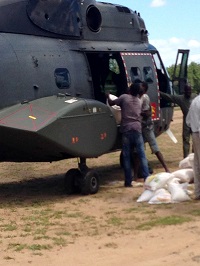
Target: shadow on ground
[{"x": 50, "y": 187}]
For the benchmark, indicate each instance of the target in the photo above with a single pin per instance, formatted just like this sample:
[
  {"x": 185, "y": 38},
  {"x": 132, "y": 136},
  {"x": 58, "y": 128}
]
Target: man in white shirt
[{"x": 193, "y": 121}]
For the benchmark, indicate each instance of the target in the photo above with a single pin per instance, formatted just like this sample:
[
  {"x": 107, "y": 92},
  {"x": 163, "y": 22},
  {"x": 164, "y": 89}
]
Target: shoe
[{"x": 128, "y": 185}]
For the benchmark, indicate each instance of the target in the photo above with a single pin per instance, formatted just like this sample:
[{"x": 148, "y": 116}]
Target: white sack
[
  {"x": 145, "y": 196},
  {"x": 154, "y": 182},
  {"x": 178, "y": 192},
  {"x": 187, "y": 162},
  {"x": 185, "y": 175},
  {"x": 191, "y": 159},
  {"x": 161, "y": 196}
]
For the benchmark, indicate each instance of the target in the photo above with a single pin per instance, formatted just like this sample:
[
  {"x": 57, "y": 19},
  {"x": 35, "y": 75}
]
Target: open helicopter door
[
  {"x": 179, "y": 77},
  {"x": 140, "y": 67}
]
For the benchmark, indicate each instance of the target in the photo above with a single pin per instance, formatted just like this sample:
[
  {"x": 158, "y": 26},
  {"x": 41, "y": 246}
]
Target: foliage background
[{"x": 193, "y": 75}]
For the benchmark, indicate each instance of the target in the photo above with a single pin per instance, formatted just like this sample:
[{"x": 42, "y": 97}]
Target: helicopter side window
[
  {"x": 62, "y": 78},
  {"x": 163, "y": 81},
  {"x": 148, "y": 74},
  {"x": 136, "y": 76}
]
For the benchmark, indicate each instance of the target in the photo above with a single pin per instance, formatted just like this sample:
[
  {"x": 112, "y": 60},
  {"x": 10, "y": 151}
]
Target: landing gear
[
  {"x": 90, "y": 183},
  {"x": 81, "y": 180}
]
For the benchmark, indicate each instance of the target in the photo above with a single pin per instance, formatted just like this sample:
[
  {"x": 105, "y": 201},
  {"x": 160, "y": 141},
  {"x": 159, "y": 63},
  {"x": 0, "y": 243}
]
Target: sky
[{"x": 172, "y": 25}]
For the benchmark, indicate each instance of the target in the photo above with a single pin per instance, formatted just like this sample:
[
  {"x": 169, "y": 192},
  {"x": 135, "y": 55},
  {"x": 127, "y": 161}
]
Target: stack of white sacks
[{"x": 169, "y": 187}]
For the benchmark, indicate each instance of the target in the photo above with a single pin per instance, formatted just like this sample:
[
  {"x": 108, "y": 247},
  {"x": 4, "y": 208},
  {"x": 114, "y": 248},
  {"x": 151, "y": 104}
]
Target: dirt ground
[{"x": 41, "y": 225}]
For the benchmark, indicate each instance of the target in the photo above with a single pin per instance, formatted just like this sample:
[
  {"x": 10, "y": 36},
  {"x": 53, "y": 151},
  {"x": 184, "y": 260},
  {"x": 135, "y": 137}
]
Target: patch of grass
[
  {"x": 89, "y": 219},
  {"x": 9, "y": 227},
  {"x": 8, "y": 258},
  {"x": 110, "y": 212},
  {"x": 27, "y": 228},
  {"x": 116, "y": 221},
  {"x": 94, "y": 232},
  {"x": 130, "y": 210},
  {"x": 24, "y": 235},
  {"x": 195, "y": 212},
  {"x": 59, "y": 241},
  {"x": 10, "y": 236},
  {"x": 111, "y": 245},
  {"x": 41, "y": 231},
  {"x": 41, "y": 237},
  {"x": 63, "y": 233},
  {"x": 39, "y": 247},
  {"x": 73, "y": 214},
  {"x": 163, "y": 221},
  {"x": 17, "y": 246},
  {"x": 57, "y": 214}
]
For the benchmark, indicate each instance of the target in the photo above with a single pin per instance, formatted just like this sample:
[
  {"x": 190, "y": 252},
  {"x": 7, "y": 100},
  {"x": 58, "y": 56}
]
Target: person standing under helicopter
[
  {"x": 131, "y": 130},
  {"x": 193, "y": 121},
  {"x": 184, "y": 102},
  {"x": 147, "y": 125}
]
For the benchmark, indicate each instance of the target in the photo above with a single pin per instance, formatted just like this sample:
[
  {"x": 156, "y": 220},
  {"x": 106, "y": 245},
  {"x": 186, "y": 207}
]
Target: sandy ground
[{"x": 40, "y": 225}]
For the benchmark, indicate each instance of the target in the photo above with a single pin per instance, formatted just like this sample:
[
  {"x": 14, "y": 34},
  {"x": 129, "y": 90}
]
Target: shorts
[{"x": 149, "y": 136}]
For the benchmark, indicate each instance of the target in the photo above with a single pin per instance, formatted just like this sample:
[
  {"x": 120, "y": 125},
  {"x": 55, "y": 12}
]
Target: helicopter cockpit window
[
  {"x": 163, "y": 81},
  {"x": 136, "y": 75},
  {"x": 148, "y": 74},
  {"x": 62, "y": 78}
]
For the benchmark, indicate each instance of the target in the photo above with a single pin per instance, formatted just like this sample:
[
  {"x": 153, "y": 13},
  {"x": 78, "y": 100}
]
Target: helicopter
[{"x": 58, "y": 59}]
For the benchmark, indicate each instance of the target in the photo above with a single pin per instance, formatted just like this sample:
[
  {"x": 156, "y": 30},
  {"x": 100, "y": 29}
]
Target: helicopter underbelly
[{"x": 55, "y": 128}]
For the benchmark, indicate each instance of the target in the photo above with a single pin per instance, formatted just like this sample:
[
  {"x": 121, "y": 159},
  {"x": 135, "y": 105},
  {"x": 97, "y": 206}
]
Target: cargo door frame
[
  {"x": 138, "y": 64},
  {"x": 107, "y": 74},
  {"x": 179, "y": 76}
]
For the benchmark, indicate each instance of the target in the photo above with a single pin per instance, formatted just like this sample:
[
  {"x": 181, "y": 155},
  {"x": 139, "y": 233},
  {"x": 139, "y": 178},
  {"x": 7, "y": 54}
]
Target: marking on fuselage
[
  {"x": 71, "y": 101},
  {"x": 32, "y": 117}
]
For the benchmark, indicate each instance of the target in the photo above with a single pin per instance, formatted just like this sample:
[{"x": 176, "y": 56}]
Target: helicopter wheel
[
  {"x": 90, "y": 183},
  {"x": 72, "y": 181}
]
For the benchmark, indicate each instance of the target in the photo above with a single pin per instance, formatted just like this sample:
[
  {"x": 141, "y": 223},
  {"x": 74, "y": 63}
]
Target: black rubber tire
[{"x": 90, "y": 183}]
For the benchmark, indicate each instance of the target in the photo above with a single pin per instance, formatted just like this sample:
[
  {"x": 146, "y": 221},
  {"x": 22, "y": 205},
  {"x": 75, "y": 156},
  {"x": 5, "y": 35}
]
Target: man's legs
[
  {"x": 186, "y": 139},
  {"x": 161, "y": 159},
  {"x": 126, "y": 154},
  {"x": 149, "y": 136},
  {"x": 139, "y": 144},
  {"x": 136, "y": 165},
  {"x": 196, "y": 145}
]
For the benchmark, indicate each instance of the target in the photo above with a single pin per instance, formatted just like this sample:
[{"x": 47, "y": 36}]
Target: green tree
[
  {"x": 170, "y": 70},
  {"x": 193, "y": 75}
]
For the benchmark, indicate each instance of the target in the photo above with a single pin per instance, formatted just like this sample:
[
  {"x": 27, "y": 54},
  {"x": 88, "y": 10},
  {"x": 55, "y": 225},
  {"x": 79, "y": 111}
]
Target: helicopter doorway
[
  {"x": 140, "y": 67},
  {"x": 108, "y": 74}
]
